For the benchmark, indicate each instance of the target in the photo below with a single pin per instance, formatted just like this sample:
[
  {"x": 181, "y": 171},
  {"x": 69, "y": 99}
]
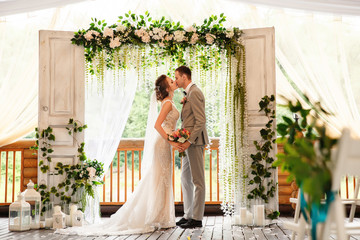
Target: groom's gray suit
[{"x": 192, "y": 174}]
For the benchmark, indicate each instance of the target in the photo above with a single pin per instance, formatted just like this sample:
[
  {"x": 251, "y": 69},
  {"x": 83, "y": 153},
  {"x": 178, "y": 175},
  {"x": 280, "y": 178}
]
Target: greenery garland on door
[
  {"x": 80, "y": 178},
  {"x": 262, "y": 169}
]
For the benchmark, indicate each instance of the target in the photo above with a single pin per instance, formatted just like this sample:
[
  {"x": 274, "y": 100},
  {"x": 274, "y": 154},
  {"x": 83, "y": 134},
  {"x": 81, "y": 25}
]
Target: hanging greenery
[
  {"x": 83, "y": 175},
  {"x": 261, "y": 175},
  {"x": 234, "y": 148},
  {"x": 141, "y": 42}
]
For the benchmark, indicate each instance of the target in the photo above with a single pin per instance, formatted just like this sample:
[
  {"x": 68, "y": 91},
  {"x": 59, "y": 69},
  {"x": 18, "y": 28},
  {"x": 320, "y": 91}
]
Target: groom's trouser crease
[{"x": 193, "y": 175}]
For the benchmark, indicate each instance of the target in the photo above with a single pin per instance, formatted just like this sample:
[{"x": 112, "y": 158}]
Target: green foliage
[
  {"x": 307, "y": 150},
  {"x": 82, "y": 175},
  {"x": 261, "y": 165},
  {"x": 165, "y": 39}
]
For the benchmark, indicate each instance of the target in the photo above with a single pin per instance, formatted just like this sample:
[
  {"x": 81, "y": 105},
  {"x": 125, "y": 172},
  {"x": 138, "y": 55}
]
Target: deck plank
[
  {"x": 176, "y": 234},
  {"x": 214, "y": 228},
  {"x": 207, "y": 233}
]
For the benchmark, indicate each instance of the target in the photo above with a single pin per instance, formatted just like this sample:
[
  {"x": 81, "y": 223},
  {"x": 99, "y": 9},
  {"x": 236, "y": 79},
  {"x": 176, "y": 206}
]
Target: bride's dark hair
[{"x": 161, "y": 86}]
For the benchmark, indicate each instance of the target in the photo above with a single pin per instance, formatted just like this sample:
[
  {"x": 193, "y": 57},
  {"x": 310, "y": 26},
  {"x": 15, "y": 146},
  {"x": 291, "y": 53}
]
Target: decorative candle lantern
[
  {"x": 58, "y": 218},
  {"x": 34, "y": 198},
  {"x": 77, "y": 219},
  {"x": 19, "y": 215}
]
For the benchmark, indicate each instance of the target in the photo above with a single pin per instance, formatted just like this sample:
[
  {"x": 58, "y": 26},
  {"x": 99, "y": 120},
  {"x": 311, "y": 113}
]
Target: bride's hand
[{"x": 175, "y": 145}]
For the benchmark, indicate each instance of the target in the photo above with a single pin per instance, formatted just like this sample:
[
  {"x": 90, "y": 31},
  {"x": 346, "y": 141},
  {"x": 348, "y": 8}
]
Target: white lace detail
[{"x": 151, "y": 205}]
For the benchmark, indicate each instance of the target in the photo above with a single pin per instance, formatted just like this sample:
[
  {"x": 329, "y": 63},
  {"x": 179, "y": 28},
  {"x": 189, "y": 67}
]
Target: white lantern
[
  {"x": 77, "y": 219},
  {"x": 58, "y": 218},
  {"x": 34, "y": 198},
  {"x": 19, "y": 215}
]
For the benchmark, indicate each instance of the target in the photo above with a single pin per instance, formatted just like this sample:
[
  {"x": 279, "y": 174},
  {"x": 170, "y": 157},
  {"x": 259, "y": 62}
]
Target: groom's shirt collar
[{"x": 187, "y": 89}]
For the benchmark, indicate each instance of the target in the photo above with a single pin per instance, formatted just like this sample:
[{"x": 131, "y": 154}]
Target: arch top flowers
[{"x": 103, "y": 41}]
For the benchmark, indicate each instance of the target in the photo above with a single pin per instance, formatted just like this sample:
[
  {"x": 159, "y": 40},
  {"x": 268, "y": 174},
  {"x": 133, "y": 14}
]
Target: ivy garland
[
  {"x": 261, "y": 166},
  {"x": 77, "y": 176}
]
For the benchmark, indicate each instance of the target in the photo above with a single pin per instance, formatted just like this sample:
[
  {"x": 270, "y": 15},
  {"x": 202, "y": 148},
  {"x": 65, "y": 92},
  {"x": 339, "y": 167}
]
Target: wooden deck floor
[{"x": 215, "y": 227}]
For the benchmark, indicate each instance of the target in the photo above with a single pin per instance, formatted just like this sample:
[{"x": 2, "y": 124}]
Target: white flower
[
  {"x": 229, "y": 33},
  {"x": 91, "y": 171},
  {"x": 179, "y": 36},
  {"x": 108, "y": 32},
  {"x": 194, "y": 38},
  {"x": 190, "y": 29},
  {"x": 120, "y": 28},
  {"x": 171, "y": 138},
  {"x": 140, "y": 32},
  {"x": 169, "y": 37},
  {"x": 115, "y": 42},
  {"x": 161, "y": 44},
  {"x": 210, "y": 38},
  {"x": 156, "y": 37},
  {"x": 182, "y": 140},
  {"x": 88, "y": 36},
  {"x": 146, "y": 38}
]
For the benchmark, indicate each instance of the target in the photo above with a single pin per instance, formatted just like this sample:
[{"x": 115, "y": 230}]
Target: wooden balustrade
[
  {"x": 125, "y": 171},
  {"x": 18, "y": 165}
]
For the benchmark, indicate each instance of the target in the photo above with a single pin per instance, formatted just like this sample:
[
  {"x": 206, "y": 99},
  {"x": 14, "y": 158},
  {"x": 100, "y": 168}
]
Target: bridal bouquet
[{"x": 181, "y": 135}]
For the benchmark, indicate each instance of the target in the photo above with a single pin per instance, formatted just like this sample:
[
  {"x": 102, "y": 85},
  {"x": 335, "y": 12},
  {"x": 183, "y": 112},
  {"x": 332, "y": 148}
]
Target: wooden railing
[
  {"x": 125, "y": 173},
  {"x": 18, "y": 165}
]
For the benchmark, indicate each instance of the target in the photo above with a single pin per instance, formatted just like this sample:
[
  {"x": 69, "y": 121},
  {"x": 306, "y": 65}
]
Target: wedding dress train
[{"x": 151, "y": 205}]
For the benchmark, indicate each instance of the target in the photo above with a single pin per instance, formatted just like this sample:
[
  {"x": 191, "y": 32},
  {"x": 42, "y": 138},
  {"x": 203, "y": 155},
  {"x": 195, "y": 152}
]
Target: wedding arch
[{"x": 223, "y": 57}]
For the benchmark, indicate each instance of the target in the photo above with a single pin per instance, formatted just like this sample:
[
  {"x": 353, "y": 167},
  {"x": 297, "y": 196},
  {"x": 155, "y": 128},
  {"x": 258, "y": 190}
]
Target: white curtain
[
  {"x": 351, "y": 7},
  {"x": 106, "y": 115},
  {"x": 9, "y": 7}
]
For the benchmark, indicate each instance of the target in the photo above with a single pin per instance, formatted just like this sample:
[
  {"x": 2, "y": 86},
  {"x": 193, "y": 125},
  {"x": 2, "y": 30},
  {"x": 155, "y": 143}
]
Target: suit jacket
[{"x": 193, "y": 116}]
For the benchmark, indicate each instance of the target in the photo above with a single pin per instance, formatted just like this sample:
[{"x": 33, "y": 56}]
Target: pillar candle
[
  {"x": 249, "y": 217},
  {"x": 243, "y": 216},
  {"x": 48, "y": 223}
]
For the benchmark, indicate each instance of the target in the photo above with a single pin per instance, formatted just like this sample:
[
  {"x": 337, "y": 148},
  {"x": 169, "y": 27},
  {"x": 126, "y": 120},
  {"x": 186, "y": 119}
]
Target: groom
[{"x": 192, "y": 174}]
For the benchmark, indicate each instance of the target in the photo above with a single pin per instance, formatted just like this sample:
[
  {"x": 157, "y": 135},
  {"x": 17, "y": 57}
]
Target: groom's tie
[{"x": 184, "y": 93}]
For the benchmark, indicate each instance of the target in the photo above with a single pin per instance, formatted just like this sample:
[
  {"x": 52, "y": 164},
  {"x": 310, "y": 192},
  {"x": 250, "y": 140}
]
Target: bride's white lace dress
[{"x": 151, "y": 205}]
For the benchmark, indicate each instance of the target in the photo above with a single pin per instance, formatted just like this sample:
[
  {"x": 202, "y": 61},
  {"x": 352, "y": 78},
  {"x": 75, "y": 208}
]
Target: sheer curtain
[
  {"x": 351, "y": 7},
  {"x": 106, "y": 115}
]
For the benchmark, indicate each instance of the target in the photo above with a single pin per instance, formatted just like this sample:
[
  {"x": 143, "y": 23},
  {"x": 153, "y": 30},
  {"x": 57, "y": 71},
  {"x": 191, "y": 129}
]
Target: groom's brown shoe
[
  {"x": 192, "y": 224},
  {"x": 181, "y": 221}
]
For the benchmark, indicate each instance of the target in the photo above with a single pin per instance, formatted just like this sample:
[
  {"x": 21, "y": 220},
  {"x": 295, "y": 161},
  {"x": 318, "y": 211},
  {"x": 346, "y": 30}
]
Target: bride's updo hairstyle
[{"x": 161, "y": 85}]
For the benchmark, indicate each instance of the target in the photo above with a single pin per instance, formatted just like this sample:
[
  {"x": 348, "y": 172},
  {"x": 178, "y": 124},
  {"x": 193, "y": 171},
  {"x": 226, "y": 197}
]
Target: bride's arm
[
  {"x": 162, "y": 115},
  {"x": 166, "y": 108}
]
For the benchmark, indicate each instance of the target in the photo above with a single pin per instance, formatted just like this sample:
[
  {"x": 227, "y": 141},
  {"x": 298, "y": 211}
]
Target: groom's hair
[{"x": 184, "y": 70}]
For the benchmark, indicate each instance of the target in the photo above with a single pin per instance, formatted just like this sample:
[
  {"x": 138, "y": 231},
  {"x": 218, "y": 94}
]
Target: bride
[{"x": 151, "y": 205}]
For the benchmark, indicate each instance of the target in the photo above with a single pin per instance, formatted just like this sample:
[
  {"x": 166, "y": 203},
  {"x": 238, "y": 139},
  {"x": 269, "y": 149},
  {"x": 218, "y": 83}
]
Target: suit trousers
[{"x": 193, "y": 182}]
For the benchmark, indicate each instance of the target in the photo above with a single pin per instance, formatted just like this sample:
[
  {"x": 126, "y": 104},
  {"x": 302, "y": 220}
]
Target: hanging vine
[
  {"x": 155, "y": 41},
  {"x": 261, "y": 175},
  {"x": 82, "y": 175}
]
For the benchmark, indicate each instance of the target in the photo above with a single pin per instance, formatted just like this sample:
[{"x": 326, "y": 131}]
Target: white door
[
  {"x": 260, "y": 79},
  {"x": 61, "y": 97}
]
